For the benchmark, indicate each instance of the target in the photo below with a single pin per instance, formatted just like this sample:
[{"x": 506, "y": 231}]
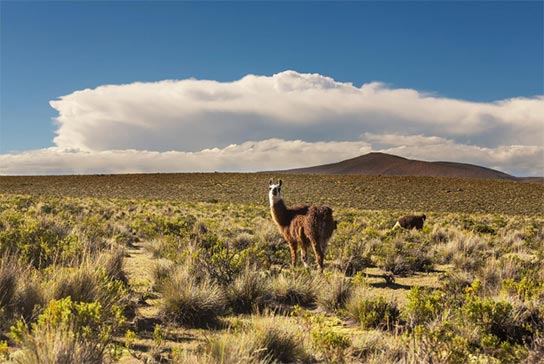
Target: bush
[
  {"x": 437, "y": 343},
  {"x": 493, "y": 317},
  {"x": 424, "y": 305},
  {"x": 275, "y": 343},
  {"x": 8, "y": 285},
  {"x": 334, "y": 293},
  {"x": 403, "y": 258},
  {"x": 332, "y": 344},
  {"x": 247, "y": 292},
  {"x": 40, "y": 242},
  {"x": 296, "y": 288},
  {"x": 454, "y": 283},
  {"x": 81, "y": 284},
  {"x": 88, "y": 283},
  {"x": 187, "y": 301},
  {"x": 112, "y": 264},
  {"x": 265, "y": 340},
  {"x": 353, "y": 253},
  {"x": 372, "y": 312},
  {"x": 20, "y": 292},
  {"x": 66, "y": 332},
  {"x": 30, "y": 297}
]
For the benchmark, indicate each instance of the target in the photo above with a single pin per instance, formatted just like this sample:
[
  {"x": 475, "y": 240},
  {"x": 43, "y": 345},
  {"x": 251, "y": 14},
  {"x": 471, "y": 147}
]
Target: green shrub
[
  {"x": 331, "y": 343},
  {"x": 372, "y": 312},
  {"x": 160, "y": 225},
  {"x": 482, "y": 227},
  {"x": 424, "y": 305},
  {"x": 4, "y": 352},
  {"x": 437, "y": 343},
  {"x": 66, "y": 332},
  {"x": 352, "y": 252},
  {"x": 38, "y": 242},
  {"x": 219, "y": 262},
  {"x": 493, "y": 317},
  {"x": 525, "y": 290},
  {"x": 503, "y": 351}
]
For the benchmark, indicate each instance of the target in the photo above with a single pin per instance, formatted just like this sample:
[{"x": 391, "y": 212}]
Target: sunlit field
[
  {"x": 190, "y": 268},
  {"x": 359, "y": 192}
]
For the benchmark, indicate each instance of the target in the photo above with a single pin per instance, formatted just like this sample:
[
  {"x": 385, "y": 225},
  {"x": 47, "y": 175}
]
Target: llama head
[{"x": 274, "y": 191}]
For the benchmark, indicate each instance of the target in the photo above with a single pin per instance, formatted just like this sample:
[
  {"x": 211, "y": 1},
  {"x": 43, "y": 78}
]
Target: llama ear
[
  {"x": 270, "y": 182},
  {"x": 280, "y": 182}
]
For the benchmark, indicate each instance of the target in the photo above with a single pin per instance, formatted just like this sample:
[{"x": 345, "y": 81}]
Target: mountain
[{"x": 374, "y": 164}]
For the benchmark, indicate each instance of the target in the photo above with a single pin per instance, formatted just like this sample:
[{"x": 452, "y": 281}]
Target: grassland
[
  {"x": 190, "y": 269},
  {"x": 360, "y": 192}
]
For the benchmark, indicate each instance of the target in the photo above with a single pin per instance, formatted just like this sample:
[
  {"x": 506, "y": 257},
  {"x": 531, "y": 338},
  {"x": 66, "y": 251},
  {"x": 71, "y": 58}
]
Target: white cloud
[
  {"x": 190, "y": 115},
  {"x": 271, "y": 154},
  {"x": 293, "y": 119}
]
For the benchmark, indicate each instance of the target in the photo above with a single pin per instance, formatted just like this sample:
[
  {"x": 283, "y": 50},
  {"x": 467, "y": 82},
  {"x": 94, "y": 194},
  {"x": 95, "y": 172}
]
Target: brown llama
[
  {"x": 302, "y": 226},
  {"x": 411, "y": 222}
]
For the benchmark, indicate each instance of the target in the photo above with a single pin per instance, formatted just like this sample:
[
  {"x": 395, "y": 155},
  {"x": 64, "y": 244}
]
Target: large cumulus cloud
[
  {"x": 293, "y": 119},
  {"x": 190, "y": 115}
]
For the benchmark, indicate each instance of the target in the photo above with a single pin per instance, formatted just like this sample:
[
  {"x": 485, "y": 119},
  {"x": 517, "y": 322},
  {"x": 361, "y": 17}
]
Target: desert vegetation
[
  {"x": 98, "y": 280},
  {"x": 411, "y": 194}
]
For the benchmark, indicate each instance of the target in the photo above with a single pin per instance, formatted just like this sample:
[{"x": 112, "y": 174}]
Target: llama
[
  {"x": 302, "y": 226},
  {"x": 410, "y": 222}
]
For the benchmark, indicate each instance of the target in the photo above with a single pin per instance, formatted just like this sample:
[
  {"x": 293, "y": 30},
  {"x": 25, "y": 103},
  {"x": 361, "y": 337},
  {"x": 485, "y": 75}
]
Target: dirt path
[{"x": 138, "y": 265}]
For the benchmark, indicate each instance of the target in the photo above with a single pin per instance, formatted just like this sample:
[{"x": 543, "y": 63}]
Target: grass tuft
[
  {"x": 298, "y": 288},
  {"x": 189, "y": 302}
]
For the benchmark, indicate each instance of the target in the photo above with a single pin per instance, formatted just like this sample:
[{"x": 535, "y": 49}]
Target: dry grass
[
  {"x": 361, "y": 192},
  {"x": 191, "y": 265}
]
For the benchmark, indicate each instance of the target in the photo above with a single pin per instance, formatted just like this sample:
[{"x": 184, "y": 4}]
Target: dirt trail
[{"x": 138, "y": 266}]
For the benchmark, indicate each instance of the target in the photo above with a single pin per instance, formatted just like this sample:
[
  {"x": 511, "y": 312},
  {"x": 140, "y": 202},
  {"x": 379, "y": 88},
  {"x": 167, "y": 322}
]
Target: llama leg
[
  {"x": 318, "y": 253},
  {"x": 293, "y": 249},
  {"x": 304, "y": 254}
]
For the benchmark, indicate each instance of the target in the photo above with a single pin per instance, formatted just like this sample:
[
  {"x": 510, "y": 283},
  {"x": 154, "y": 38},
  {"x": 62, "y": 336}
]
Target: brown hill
[{"x": 381, "y": 164}]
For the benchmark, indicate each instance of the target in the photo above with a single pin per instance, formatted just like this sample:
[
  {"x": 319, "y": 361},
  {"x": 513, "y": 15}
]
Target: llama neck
[{"x": 280, "y": 213}]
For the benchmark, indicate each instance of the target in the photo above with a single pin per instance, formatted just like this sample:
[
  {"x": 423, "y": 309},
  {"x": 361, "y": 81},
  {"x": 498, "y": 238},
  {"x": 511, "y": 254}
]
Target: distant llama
[
  {"x": 410, "y": 222},
  {"x": 302, "y": 226}
]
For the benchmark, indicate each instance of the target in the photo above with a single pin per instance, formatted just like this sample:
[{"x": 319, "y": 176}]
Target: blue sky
[{"x": 474, "y": 51}]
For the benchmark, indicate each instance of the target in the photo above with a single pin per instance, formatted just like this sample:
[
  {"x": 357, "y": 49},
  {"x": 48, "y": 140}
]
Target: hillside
[{"x": 381, "y": 164}]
